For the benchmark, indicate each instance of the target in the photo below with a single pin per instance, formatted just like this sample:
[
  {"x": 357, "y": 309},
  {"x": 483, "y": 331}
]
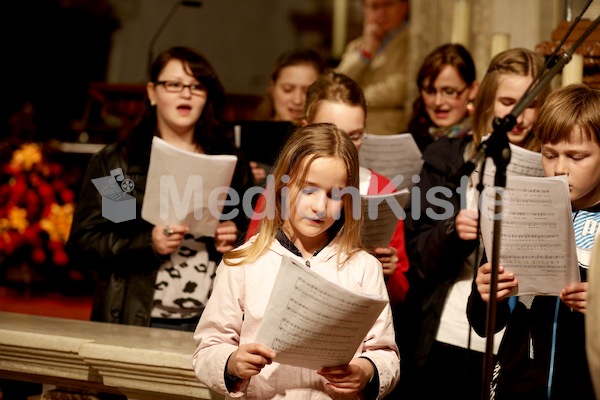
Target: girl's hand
[
  {"x": 466, "y": 224},
  {"x": 506, "y": 282},
  {"x": 167, "y": 239},
  {"x": 388, "y": 257},
  {"x": 350, "y": 378},
  {"x": 249, "y": 359},
  {"x": 575, "y": 296},
  {"x": 226, "y": 236}
]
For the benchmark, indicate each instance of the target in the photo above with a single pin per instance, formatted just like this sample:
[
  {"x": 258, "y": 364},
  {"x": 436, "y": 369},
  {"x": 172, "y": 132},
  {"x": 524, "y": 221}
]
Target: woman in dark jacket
[{"x": 157, "y": 275}]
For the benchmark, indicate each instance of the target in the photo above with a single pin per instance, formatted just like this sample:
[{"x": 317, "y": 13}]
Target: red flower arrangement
[{"x": 36, "y": 208}]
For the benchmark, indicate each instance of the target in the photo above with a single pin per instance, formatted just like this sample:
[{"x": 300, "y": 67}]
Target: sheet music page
[
  {"x": 537, "y": 241},
  {"x": 181, "y": 188},
  {"x": 313, "y": 323},
  {"x": 523, "y": 162},
  {"x": 380, "y": 216},
  {"x": 391, "y": 155}
]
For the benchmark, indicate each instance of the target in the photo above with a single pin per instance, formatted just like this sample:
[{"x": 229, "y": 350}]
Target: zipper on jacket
[{"x": 307, "y": 262}]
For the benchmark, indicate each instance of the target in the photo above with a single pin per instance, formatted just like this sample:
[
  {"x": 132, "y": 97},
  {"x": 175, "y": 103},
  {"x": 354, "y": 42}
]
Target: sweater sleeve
[
  {"x": 217, "y": 335},
  {"x": 434, "y": 248},
  {"x": 384, "y": 78},
  {"x": 379, "y": 346}
]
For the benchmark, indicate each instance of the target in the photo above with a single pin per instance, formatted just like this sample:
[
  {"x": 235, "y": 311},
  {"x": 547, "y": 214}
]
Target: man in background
[{"x": 378, "y": 61}]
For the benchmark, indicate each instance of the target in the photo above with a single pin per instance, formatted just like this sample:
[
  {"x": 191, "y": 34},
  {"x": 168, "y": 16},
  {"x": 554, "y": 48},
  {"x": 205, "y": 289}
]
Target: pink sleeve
[{"x": 397, "y": 284}]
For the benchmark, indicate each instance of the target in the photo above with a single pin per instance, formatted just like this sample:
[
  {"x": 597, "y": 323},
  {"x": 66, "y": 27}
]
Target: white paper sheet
[
  {"x": 313, "y": 323},
  {"x": 537, "y": 241},
  {"x": 523, "y": 162},
  {"x": 380, "y": 217},
  {"x": 392, "y": 155},
  {"x": 186, "y": 188}
]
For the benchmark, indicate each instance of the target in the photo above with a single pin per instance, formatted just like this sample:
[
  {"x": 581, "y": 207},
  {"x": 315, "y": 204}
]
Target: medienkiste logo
[{"x": 117, "y": 204}]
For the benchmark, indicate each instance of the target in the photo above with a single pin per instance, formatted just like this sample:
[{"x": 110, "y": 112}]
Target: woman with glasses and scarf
[
  {"x": 148, "y": 275},
  {"x": 447, "y": 88}
]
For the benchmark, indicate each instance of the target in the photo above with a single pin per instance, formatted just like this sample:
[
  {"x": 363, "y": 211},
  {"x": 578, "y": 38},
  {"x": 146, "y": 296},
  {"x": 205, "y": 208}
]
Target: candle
[
  {"x": 500, "y": 43},
  {"x": 573, "y": 71},
  {"x": 461, "y": 23},
  {"x": 338, "y": 37}
]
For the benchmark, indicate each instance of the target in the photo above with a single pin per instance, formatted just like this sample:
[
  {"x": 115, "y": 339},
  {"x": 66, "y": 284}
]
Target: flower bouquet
[{"x": 36, "y": 210}]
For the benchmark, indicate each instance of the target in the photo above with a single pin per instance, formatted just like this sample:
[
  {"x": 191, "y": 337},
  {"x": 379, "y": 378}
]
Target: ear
[
  {"x": 473, "y": 90},
  {"x": 303, "y": 122},
  {"x": 151, "y": 91}
]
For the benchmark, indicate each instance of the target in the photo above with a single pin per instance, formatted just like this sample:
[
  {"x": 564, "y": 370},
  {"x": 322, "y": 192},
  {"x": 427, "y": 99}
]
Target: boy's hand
[
  {"x": 350, "y": 378},
  {"x": 575, "y": 296},
  {"x": 506, "y": 282},
  {"x": 388, "y": 257},
  {"x": 249, "y": 359},
  {"x": 466, "y": 224}
]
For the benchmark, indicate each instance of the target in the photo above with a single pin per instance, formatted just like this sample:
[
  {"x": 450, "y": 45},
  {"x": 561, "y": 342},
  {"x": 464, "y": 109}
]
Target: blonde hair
[
  {"x": 566, "y": 108},
  {"x": 307, "y": 144},
  {"x": 522, "y": 62}
]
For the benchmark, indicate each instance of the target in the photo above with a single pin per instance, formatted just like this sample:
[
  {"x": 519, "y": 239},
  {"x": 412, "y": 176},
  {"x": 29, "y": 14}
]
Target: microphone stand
[
  {"x": 497, "y": 148},
  {"x": 162, "y": 26}
]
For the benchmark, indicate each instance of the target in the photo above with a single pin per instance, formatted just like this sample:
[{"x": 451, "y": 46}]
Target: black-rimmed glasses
[
  {"x": 177, "y": 87},
  {"x": 447, "y": 93}
]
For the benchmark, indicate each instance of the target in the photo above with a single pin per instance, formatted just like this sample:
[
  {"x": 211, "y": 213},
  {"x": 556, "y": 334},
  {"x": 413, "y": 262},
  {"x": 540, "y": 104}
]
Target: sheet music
[
  {"x": 184, "y": 184},
  {"x": 380, "y": 217},
  {"x": 523, "y": 162},
  {"x": 537, "y": 241},
  {"x": 391, "y": 155},
  {"x": 313, "y": 323}
]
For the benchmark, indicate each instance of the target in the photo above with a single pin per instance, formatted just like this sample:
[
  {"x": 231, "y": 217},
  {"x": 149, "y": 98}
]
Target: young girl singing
[{"x": 317, "y": 160}]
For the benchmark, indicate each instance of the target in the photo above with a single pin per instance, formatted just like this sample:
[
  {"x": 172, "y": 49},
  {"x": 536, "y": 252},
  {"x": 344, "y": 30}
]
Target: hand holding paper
[
  {"x": 313, "y": 323},
  {"x": 186, "y": 188}
]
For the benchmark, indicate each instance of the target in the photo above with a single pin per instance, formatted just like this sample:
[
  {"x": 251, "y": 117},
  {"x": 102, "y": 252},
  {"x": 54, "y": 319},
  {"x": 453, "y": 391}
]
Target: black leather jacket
[{"x": 121, "y": 255}]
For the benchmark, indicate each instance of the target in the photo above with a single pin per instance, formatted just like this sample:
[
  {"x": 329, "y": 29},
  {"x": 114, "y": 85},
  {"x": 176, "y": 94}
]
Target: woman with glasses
[
  {"x": 148, "y": 275},
  {"x": 442, "y": 356},
  {"x": 447, "y": 87}
]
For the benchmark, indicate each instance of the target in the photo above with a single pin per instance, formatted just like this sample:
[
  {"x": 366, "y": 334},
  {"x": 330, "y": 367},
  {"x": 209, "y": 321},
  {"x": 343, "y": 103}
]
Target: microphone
[{"x": 161, "y": 27}]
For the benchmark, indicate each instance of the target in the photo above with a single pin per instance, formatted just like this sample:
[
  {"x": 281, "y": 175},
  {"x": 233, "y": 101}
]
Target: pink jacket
[{"x": 237, "y": 305}]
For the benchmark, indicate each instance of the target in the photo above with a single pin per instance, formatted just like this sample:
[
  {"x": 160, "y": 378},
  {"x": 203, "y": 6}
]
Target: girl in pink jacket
[{"x": 313, "y": 224}]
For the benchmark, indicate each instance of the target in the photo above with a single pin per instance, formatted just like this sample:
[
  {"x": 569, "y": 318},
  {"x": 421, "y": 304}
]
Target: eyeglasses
[
  {"x": 447, "y": 93},
  {"x": 357, "y": 137},
  {"x": 177, "y": 87}
]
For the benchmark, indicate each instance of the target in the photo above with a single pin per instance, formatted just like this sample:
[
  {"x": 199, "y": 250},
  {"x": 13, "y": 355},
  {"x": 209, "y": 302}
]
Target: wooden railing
[{"x": 140, "y": 363}]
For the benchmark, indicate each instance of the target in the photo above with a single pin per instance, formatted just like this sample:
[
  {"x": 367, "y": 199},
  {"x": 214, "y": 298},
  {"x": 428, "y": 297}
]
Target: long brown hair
[
  {"x": 306, "y": 144},
  {"x": 522, "y": 62}
]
